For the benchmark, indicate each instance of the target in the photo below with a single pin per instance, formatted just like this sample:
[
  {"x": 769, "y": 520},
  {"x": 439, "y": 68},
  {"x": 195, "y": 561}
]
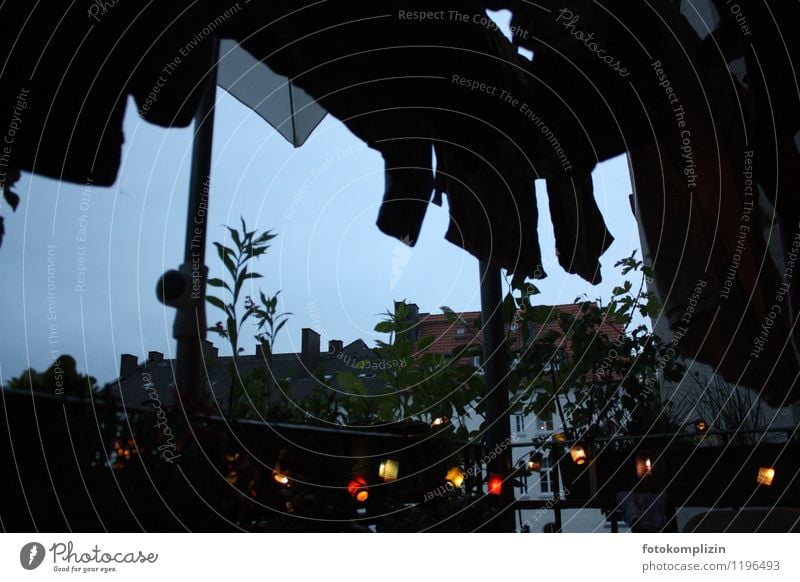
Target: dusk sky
[{"x": 336, "y": 271}]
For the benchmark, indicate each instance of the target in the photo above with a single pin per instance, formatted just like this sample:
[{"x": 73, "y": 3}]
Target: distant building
[
  {"x": 137, "y": 381},
  {"x": 450, "y": 337}
]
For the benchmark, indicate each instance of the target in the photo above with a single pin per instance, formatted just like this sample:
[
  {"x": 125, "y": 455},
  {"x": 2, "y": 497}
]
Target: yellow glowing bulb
[
  {"x": 578, "y": 454},
  {"x": 644, "y": 466},
  {"x": 389, "y": 469},
  {"x": 535, "y": 462},
  {"x": 765, "y": 476},
  {"x": 455, "y": 476}
]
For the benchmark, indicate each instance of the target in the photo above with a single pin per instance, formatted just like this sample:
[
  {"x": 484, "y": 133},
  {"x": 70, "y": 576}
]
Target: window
[
  {"x": 519, "y": 422},
  {"x": 546, "y": 477},
  {"x": 475, "y": 362},
  {"x": 556, "y": 359},
  {"x": 544, "y": 425},
  {"x": 460, "y": 332}
]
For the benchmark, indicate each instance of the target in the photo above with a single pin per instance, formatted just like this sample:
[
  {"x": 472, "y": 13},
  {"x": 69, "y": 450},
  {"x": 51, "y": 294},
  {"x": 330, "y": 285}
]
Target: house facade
[{"x": 451, "y": 335}]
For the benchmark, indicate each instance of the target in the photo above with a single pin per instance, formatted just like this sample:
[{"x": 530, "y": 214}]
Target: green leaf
[
  {"x": 235, "y": 236},
  {"x": 279, "y": 327},
  {"x": 351, "y": 384},
  {"x": 244, "y": 276},
  {"x": 225, "y": 255},
  {"x": 218, "y": 283},
  {"x": 217, "y": 302},
  {"x": 266, "y": 236},
  {"x": 542, "y": 314},
  {"x": 385, "y": 327},
  {"x": 425, "y": 342}
]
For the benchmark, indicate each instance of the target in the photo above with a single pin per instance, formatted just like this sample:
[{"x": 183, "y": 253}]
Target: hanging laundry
[
  {"x": 74, "y": 67},
  {"x": 637, "y": 78},
  {"x": 409, "y": 78},
  {"x": 580, "y": 231}
]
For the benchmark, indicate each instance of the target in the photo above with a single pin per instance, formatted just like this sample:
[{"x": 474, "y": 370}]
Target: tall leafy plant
[{"x": 248, "y": 246}]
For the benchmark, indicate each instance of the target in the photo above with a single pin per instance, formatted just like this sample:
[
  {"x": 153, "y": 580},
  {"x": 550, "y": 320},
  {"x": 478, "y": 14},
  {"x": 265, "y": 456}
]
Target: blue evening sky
[{"x": 337, "y": 273}]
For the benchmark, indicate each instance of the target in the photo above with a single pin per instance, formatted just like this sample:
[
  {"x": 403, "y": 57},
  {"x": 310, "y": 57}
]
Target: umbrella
[{"x": 286, "y": 107}]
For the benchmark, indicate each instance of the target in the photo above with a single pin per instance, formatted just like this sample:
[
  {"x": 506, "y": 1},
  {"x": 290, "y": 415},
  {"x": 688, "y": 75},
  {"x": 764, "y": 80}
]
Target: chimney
[
  {"x": 309, "y": 356},
  {"x": 155, "y": 357},
  {"x": 413, "y": 320},
  {"x": 209, "y": 349},
  {"x": 335, "y": 347},
  {"x": 127, "y": 365}
]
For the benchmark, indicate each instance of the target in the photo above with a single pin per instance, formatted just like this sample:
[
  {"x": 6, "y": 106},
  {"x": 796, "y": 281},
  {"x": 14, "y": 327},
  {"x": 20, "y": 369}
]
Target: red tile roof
[{"x": 447, "y": 338}]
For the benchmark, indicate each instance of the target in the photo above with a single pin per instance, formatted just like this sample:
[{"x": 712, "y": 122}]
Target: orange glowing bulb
[
  {"x": 358, "y": 489},
  {"x": 495, "y": 484}
]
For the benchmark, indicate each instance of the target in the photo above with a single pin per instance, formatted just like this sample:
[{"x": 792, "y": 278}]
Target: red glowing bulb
[
  {"x": 495, "y": 484},
  {"x": 358, "y": 489}
]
